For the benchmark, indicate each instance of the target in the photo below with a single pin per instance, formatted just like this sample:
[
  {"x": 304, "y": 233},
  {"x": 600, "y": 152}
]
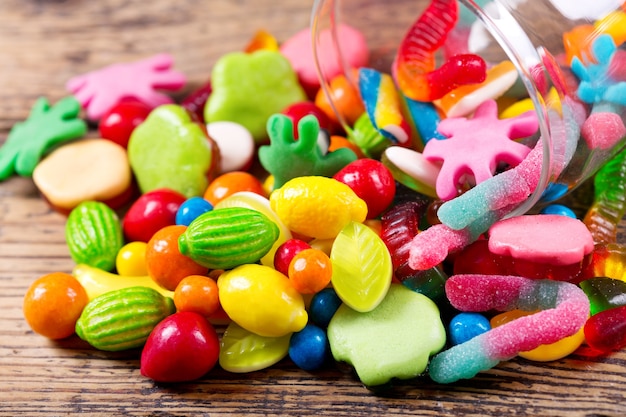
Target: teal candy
[
  {"x": 45, "y": 128},
  {"x": 461, "y": 362},
  {"x": 169, "y": 150},
  {"x": 395, "y": 340},
  {"x": 249, "y": 88},
  {"x": 286, "y": 158}
]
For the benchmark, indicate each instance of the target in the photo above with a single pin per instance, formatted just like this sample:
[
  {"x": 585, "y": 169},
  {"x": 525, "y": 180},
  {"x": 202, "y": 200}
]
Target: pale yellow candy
[
  {"x": 317, "y": 207},
  {"x": 91, "y": 169}
]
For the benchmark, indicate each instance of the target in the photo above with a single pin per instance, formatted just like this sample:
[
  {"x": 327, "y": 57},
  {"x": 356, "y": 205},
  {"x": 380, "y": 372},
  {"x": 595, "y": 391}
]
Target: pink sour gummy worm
[{"x": 565, "y": 309}]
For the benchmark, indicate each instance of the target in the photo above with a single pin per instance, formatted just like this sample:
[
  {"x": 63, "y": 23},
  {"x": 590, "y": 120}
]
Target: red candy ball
[
  {"x": 118, "y": 123},
  {"x": 150, "y": 213},
  {"x": 372, "y": 182},
  {"x": 285, "y": 253},
  {"x": 298, "y": 110}
]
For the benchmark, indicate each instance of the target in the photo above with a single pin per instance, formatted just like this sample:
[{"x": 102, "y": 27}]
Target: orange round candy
[
  {"x": 164, "y": 262},
  {"x": 310, "y": 271},
  {"x": 230, "y": 183},
  {"x": 53, "y": 304},
  {"x": 197, "y": 293},
  {"x": 346, "y": 100}
]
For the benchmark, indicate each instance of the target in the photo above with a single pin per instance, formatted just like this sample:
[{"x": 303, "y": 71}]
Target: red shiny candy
[
  {"x": 195, "y": 101},
  {"x": 606, "y": 331},
  {"x": 399, "y": 225},
  {"x": 182, "y": 347},
  {"x": 151, "y": 212},
  {"x": 371, "y": 181},
  {"x": 118, "y": 123},
  {"x": 285, "y": 253},
  {"x": 298, "y": 110}
]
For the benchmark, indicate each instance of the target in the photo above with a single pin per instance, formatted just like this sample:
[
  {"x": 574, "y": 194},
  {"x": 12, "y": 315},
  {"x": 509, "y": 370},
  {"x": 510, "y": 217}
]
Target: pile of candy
[{"x": 319, "y": 243}]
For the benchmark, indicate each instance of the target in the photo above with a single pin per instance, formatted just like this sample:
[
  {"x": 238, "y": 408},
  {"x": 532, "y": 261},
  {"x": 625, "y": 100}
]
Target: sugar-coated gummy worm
[{"x": 564, "y": 311}]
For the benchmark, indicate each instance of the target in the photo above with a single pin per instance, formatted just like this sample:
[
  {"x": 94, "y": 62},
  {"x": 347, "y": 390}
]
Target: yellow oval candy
[
  {"x": 262, "y": 300},
  {"x": 317, "y": 207}
]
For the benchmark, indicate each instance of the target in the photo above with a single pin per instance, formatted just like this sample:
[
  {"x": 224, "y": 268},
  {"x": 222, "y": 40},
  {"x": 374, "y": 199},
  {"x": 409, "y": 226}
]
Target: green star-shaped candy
[
  {"x": 45, "y": 128},
  {"x": 286, "y": 157}
]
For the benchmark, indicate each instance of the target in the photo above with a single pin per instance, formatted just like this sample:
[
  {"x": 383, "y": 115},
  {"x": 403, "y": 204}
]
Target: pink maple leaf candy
[
  {"x": 98, "y": 91},
  {"x": 476, "y": 146}
]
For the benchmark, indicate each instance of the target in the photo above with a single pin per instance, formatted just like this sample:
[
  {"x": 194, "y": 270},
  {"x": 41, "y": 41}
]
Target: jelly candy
[
  {"x": 475, "y": 146},
  {"x": 98, "y": 91},
  {"x": 170, "y": 150},
  {"x": 262, "y": 300},
  {"x": 388, "y": 342},
  {"x": 243, "y": 351},
  {"x": 565, "y": 309},
  {"x": 413, "y": 67},
  {"x": 44, "y": 128},
  {"x": 430, "y": 282},
  {"x": 249, "y": 88},
  {"x": 400, "y": 224},
  {"x": 362, "y": 267},
  {"x": 606, "y": 330},
  {"x": 316, "y": 206},
  {"x": 604, "y": 293},
  {"x": 286, "y": 158},
  {"x": 262, "y": 39},
  {"x": 609, "y": 260}
]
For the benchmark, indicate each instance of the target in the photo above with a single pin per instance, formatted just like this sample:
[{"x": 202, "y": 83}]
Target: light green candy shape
[
  {"x": 395, "y": 340},
  {"x": 169, "y": 150},
  {"x": 249, "y": 88}
]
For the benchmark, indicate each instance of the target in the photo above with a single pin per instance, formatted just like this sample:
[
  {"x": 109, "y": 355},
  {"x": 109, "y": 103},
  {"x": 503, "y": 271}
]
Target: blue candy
[
  {"x": 190, "y": 209},
  {"x": 465, "y": 326},
  {"x": 309, "y": 348},
  {"x": 559, "y": 209},
  {"x": 323, "y": 307}
]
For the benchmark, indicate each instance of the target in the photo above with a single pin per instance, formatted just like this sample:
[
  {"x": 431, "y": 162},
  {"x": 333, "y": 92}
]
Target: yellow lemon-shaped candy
[
  {"x": 262, "y": 300},
  {"x": 317, "y": 207}
]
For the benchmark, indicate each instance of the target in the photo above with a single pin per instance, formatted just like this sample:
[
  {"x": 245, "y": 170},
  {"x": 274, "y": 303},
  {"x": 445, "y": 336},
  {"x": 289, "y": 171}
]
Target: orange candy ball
[
  {"x": 197, "y": 293},
  {"x": 345, "y": 98},
  {"x": 165, "y": 264},
  {"x": 310, "y": 271},
  {"x": 230, "y": 183},
  {"x": 53, "y": 304}
]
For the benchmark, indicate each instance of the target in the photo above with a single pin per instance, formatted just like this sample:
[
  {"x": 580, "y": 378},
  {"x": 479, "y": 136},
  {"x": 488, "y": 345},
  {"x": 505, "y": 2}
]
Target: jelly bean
[
  {"x": 388, "y": 342},
  {"x": 249, "y": 88},
  {"x": 606, "y": 331},
  {"x": 285, "y": 253},
  {"x": 91, "y": 169},
  {"x": 360, "y": 281},
  {"x": 230, "y": 183},
  {"x": 466, "y": 326},
  {"x": 131, "y": 259},
  {"x": 118, "y": 123},
  {"x": 243, "y": 351},
  {"x": 309, "y": 348},
  {"x": 476, "y": 146},
  {"x": 476, "y": 258},
  {"x": 414, "y": 64},
  {"x": 170, "y": 150},
  {"x": 371, "y": 181},
  {"x": 547, "y": 352},
  {"x": 565, "y": 309},
  {"x": 150, "y": 213},
  {"x": 190, "y": 209},
  {"x": 323, "y": 306},
  {"x": 310, "y": 271},
  {"x": 262, "y": 300},
  {"x": 558, "y": 209},
  {"x": 287, "y": 158},
  {"x": 98, "y": 91},
  {"x": 235, "y": 143},
  {"x": 604, "y": 293},
  {"x": 344, "y": 101},
  {"x": 45, "y": 128},
  {"x": 317, "y": 206}
]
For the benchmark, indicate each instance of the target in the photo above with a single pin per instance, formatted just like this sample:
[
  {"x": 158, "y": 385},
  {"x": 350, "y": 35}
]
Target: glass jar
[{"x": 578, "y": 102}]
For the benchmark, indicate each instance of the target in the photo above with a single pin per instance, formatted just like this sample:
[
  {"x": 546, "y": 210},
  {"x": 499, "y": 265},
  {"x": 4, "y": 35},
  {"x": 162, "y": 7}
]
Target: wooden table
[{"x": 43, "y": 44}]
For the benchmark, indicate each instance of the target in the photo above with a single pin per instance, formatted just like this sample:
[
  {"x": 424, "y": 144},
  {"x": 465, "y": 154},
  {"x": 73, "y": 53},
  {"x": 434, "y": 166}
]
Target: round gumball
[
  {"x": 323, "y": 306},
  {"x": 151, "y": 212},
  {"x": 230, "y": 183},
  {"x": 192, "y": 208},
  {"x": 165, "y": 264},
  {"x": 120, "y": 121},
  {"x": 371, "y": 181},
  {"x": 465, "y": 326},
  {"x": 285, "y": 253},
  {"x": 310, "y": 271},
  {"x": 309, "y": 348},
  {"x": 300, "y": 109},
  {"x": 197, "y": 293},
  {"x": 131, "y": 260}
]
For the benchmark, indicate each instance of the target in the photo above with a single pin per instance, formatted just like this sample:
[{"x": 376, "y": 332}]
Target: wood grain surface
[{"x": 45, "y": 42}]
